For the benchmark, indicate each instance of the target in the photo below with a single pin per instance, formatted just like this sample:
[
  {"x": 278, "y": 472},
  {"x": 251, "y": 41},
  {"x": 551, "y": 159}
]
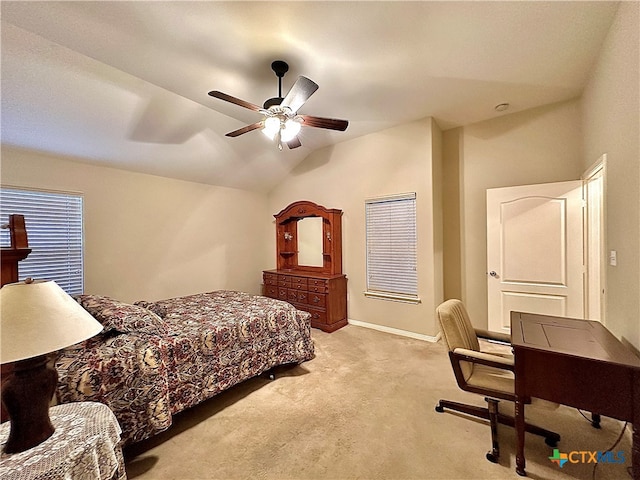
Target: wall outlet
[{"x": 613, "y": 258}]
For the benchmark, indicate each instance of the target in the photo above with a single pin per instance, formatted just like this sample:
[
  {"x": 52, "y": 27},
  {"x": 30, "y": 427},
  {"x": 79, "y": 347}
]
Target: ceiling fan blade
[
  {"x": 246, "y": 129},
  {"x": 299, "y": 93},
  {"x": 320, "y": 122},
  {"x": 294, "y": 143},
  {"x": 234, "y": 100}
]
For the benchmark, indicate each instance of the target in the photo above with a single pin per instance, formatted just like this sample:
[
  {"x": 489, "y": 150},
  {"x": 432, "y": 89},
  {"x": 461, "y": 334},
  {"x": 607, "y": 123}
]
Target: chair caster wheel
[
  {"x": 492, "y": 457},
  {"x": 439, "y": 409}
]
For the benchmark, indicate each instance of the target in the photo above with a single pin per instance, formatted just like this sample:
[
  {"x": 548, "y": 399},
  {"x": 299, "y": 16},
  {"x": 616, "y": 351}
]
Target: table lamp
[{"x": 36, "y": 318}]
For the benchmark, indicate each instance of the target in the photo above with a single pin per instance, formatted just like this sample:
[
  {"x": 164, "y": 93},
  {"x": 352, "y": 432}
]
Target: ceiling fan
[{"x": 281, "y": 120}]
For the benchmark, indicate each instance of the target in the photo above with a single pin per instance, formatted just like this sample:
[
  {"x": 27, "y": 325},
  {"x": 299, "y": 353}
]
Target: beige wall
[
  {"x": 452, "y": 198},
  {"x": 397, "y": 160},
  {"x": 149, "y": 237},
  {"x": 611, "y": 124},
  {"x": 540, "y": 145}
]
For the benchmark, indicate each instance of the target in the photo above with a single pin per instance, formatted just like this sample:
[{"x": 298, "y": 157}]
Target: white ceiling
[{"x": 125, "y": 84}]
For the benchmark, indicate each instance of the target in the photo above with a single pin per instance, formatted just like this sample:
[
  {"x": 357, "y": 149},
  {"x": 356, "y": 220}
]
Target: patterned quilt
[{"x": 155, "y": 359}]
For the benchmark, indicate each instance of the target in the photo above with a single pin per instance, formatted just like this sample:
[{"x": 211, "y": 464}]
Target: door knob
[{"x": 493, "y": 274}]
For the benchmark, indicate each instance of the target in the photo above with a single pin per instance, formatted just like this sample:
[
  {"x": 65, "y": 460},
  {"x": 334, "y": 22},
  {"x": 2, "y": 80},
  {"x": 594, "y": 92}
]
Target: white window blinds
[
  {"x": 392, "y": 247},
  {"x": 54, "y": 230}
]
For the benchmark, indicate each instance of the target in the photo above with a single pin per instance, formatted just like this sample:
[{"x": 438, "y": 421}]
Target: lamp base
[{"x": 26, "y": 394}]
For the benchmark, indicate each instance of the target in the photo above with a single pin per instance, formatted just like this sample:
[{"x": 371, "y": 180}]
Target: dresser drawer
[
  {"x": 283, "y": 293},
  {"x": 284, "y": 280},
  {"x": 317, "y": 300},
  {"x": 294, "y": 296},
  {"x": 271, "y": 291},
  {"x": 270, "y": 279},
  {"x": 318, "y": 317},
  {"x": 299, "y": 283},
  {"x": 318, "y": 288},
  {"x": 302, "y": 296},
  {"x": 317, "y": 282}
]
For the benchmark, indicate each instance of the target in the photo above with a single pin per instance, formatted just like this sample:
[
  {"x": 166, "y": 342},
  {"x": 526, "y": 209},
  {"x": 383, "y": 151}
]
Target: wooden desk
[{"x": 578, "y": 363}]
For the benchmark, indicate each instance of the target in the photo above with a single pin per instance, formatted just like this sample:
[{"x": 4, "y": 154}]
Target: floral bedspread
[
  {"x": 218, "y": 339},
  {"x": 158, "y": 358}
]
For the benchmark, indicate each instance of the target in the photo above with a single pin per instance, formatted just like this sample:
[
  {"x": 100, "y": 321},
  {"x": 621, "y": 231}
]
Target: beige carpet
[{"x": 362, "y": 409}]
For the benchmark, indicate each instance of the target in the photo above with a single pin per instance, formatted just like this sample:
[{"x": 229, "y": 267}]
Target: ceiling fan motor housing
[{"x": 272, "y": 101}]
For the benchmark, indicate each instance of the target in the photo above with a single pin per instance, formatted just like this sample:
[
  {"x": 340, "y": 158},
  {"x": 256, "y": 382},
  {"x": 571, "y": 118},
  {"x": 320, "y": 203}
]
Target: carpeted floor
[{"x": 362, "y": 409}]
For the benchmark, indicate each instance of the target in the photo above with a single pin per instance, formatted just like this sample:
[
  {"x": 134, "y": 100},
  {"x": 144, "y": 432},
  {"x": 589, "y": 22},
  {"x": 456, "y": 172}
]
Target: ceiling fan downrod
[{"x": 279, "y": 67}]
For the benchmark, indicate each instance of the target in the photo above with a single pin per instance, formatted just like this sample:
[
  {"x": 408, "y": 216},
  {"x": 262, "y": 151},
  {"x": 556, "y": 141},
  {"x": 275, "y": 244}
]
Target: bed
[{"x": 155, "y": 359}]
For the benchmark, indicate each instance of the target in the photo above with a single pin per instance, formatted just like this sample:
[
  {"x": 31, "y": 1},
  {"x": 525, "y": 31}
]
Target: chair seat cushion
[{"x": 486, "y": 377}]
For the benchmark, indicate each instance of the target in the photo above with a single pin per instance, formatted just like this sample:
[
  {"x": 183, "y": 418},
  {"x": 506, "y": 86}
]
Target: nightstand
[{"x": 84, "y": 446}]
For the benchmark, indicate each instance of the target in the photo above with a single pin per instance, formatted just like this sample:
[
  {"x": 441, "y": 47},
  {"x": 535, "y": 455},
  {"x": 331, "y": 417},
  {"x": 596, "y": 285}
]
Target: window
[
  {"x": 392, "y": 248},
  {"x": 54, "y": 230}
]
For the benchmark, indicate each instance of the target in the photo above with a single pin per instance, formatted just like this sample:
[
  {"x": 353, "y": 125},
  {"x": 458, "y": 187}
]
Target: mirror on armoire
[{"x": 310, "y": 241}]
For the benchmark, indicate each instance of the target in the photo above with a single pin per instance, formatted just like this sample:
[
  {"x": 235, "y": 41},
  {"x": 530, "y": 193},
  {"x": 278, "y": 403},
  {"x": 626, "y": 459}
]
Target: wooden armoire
[{"x": 309, "y": 264}]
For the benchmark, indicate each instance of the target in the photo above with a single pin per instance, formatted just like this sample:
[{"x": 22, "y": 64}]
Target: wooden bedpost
[
  {"x": 9, "y": 258},
  {"x": 18, "y": 232},
  {"x": 19, "y": 249}
]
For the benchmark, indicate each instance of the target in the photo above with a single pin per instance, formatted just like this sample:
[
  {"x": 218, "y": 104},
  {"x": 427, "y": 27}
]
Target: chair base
[{"x": 491, "y": 414}]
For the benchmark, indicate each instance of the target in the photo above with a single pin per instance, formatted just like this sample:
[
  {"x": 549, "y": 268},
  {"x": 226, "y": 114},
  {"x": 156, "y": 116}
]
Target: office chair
[{"x": 488, "y": 374}]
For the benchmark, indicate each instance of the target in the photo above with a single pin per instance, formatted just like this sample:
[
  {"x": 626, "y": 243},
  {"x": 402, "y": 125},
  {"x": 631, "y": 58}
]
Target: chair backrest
[
  {"x": 458, "y": 332},
  {"x": 456, "y": 327}
]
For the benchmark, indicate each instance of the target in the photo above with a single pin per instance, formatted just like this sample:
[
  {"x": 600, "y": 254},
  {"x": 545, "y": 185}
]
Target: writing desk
[{"x": 578, "y": 363}]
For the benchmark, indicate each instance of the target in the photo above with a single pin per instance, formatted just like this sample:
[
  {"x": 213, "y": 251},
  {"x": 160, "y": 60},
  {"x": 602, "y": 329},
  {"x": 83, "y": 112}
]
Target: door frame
[{"x": 598, "y": 168}]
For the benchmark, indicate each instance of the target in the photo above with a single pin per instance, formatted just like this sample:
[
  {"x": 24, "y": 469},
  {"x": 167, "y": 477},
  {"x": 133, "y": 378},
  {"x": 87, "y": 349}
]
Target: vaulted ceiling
[{"x": 124, "y": 84}]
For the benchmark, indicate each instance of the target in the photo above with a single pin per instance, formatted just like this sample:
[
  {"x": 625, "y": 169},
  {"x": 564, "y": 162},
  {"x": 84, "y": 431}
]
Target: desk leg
[
  {"x": 635, "y": 452},
  {"x": 635, "y": 436},
  {"x": 520, "y": 430}
]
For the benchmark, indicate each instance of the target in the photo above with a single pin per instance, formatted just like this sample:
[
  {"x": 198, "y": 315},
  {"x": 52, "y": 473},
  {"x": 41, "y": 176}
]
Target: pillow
[
  {"x": 122, "y": 317},
  {"x": 156, "y": 308}
]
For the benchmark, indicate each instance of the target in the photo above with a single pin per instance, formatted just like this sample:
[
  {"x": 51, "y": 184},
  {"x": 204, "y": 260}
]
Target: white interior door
[{"x": 534, "y": 251}]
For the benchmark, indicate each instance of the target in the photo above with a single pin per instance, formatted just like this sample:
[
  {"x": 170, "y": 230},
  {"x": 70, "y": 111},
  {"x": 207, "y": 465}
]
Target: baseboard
[{"x": 396, "y": 331}]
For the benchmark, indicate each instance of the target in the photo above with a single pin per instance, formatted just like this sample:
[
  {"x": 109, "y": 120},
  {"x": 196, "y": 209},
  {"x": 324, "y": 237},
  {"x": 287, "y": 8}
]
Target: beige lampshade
[{"x": 38, "y": 318}]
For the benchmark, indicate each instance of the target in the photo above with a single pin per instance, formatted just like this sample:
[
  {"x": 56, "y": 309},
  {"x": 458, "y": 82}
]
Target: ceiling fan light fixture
[
  {"x": 290, "y": 129},
  {"x": 271, "y": 127}
]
